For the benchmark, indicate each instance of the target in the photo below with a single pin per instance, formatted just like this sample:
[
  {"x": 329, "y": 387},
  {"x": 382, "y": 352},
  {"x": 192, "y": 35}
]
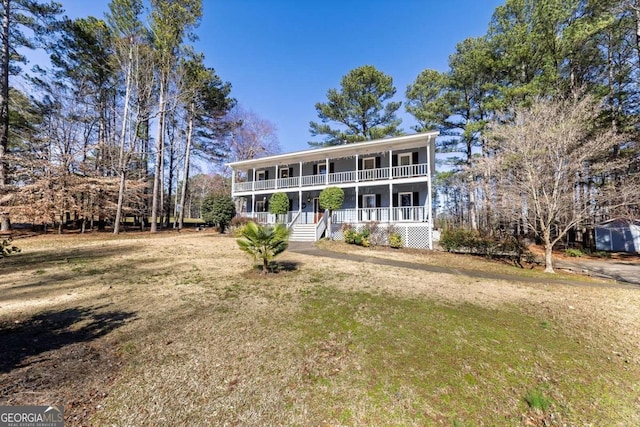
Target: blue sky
[{"x": 281, "y": 56}]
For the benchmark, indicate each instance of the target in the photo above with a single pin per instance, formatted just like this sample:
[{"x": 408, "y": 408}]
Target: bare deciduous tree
[{"x": 542, "y": 158}]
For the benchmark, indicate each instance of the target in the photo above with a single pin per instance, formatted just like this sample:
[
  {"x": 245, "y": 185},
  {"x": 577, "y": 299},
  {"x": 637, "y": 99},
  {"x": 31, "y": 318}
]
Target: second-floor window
[
  {"x": 284, "y": 173},
  {"x": 322, "y": 168},
  {"x": 404, "y": 159},
  {"x": 261, "y": 175},
  {"x": 369, "y": 163}
]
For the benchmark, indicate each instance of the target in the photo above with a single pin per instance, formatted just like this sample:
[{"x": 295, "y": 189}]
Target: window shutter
[
  {"x": 266, "y": 206},
  {"x": 378, "y": 200},
  {"x": 415, "y": 159},
  {"x": 360, "y": 201},
  {"x": 290, "y": 204},
  {"x": 416, "y": 198},
  {"x": 378, "y": 162},
  {"x": 395, "y": 200},
  {"x": 315, "y": 169},
  {"x": 359, "y": 163},
  {"x": 394, "y": 160},
  {"x": 290, "y": 172},
  {"x": 331, "y": 168},
  {"x": 266, "y": 175}
]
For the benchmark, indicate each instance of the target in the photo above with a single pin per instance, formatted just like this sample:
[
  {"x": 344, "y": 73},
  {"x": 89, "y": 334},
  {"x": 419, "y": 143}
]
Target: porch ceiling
[{"x": 340, "y": 151}]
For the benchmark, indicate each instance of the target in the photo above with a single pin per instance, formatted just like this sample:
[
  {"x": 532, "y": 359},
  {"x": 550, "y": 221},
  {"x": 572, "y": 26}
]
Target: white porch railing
[
  {"x": 269, "y": 218},
  {"x": 401, "y": 214},
  {"x": 341, "y": 216},
  {"x": 310, "y": 180},
  {"x": 373, "y": 174},
  {"x": 289, "y": 182},
  {"x": 243, "y": 186},
  {"x": 409, "y": 171},
  {"x": 265, "y": 185},
  {"x": 342, "y": 177}
]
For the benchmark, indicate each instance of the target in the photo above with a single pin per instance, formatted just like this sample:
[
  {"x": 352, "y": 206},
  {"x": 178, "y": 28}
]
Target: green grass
[
  {"x": 407, "y": 360},
  {"x": 537, "y": 400}
]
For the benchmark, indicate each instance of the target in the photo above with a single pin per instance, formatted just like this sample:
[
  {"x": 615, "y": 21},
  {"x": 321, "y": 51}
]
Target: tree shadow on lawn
[{"x": 53, "y": 330}]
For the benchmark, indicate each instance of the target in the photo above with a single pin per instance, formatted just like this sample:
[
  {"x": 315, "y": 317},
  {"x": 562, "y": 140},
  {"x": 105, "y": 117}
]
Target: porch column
[
  {"x": 277, "y": 176},
  {"x": 357, "y": 202},
  {"x": 326, "y": 176},
  {"x": 390, "y": 164},
  {"x": 253, "y": 182},
  {"x": 357, "y": 177},
  {"x": 429, "y": 198},
  {"x": 390, "y": 201},
  {"x": 300, "y": 179},
  {"x": 253, "y": 205},
  {"x": 300, "y": 202}
]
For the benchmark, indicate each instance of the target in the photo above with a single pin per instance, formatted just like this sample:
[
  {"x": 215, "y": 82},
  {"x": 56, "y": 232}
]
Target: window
[
  {"x": 261, "y": 206},
  {"x": 369, "y": 163},
  {"x": 261, "y": 176},
  {"x": 404, "y": 159},
  {"x": 284, "y": 173},
  {"x": 405, "y": 199},
  {"x": 369, "y": 201},
  {"x": 322, "y": 168}
]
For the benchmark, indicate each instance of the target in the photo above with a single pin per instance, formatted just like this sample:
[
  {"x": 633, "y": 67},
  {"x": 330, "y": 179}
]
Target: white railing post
[
  {"x": 326, "y": 171},
  {"x": 253, "y": 181}
]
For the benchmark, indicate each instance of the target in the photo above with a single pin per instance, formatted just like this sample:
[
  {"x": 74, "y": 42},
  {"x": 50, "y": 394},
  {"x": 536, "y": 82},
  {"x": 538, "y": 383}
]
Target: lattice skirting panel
[{"x": 413, "y": 235}]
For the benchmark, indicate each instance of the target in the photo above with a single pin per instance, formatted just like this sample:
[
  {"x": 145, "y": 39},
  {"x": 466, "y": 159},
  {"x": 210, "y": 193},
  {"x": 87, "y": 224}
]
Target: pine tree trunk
[
  {"x": 185, "y": 178},
  {"x": 5, "y": 223},
  {"x": 5, "y": 55},
  {"x": 122, "y": 163},
  {"x": 158, "y": 162},
  {"x": 121, "y": 189}
]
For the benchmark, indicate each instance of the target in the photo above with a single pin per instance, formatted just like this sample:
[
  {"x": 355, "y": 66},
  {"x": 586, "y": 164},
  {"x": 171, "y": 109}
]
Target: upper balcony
[
  {"x": 338, "y": 178},
  {"x": 378, "y": 161}
]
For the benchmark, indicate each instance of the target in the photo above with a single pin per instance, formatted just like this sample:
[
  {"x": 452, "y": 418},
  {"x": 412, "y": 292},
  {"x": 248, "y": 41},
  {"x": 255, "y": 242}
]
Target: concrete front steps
[{"x": 303, "y": 233}]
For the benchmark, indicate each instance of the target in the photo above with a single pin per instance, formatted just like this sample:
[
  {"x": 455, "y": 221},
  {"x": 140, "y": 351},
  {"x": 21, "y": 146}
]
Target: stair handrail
[
  {"x": 321, "y": 227},
  {"x": 293, "y": 220}
]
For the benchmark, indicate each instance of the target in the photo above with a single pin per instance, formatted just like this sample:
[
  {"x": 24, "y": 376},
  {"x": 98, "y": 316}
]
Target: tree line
[
  {"x": 110, "y": 128},
  {"x": 538, "y": 118}
]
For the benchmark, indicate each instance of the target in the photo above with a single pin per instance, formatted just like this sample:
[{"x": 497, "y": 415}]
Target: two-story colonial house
[{"x": 386, "y": 181}]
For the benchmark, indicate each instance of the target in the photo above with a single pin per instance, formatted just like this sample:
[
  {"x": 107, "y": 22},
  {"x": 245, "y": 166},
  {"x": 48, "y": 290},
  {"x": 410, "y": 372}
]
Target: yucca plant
[{"x": 263, "y": 242}]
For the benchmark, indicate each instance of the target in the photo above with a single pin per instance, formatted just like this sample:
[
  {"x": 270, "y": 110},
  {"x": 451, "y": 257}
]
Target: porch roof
[{"x": 347, "y": 150}]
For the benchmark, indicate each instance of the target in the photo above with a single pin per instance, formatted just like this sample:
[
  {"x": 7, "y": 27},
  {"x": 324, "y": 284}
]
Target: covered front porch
[{"x": 342, "y": 216}]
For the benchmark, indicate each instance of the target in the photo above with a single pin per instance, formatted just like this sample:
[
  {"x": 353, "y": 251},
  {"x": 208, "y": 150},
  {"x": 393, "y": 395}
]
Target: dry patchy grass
[
  {"x": 179, "y": 329},
  {"x": 462, "y": 262}
]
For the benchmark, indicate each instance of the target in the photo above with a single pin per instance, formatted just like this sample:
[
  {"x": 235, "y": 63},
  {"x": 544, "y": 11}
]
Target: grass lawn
[{"x": 180, "y": 329}]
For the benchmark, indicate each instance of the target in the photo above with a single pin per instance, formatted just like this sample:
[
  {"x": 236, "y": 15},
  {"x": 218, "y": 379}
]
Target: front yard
[{"x": 179, "y": 329}]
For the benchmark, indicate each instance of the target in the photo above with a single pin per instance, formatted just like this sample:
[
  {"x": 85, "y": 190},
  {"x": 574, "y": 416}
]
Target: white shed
[{"x": 618, "y": 235}]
